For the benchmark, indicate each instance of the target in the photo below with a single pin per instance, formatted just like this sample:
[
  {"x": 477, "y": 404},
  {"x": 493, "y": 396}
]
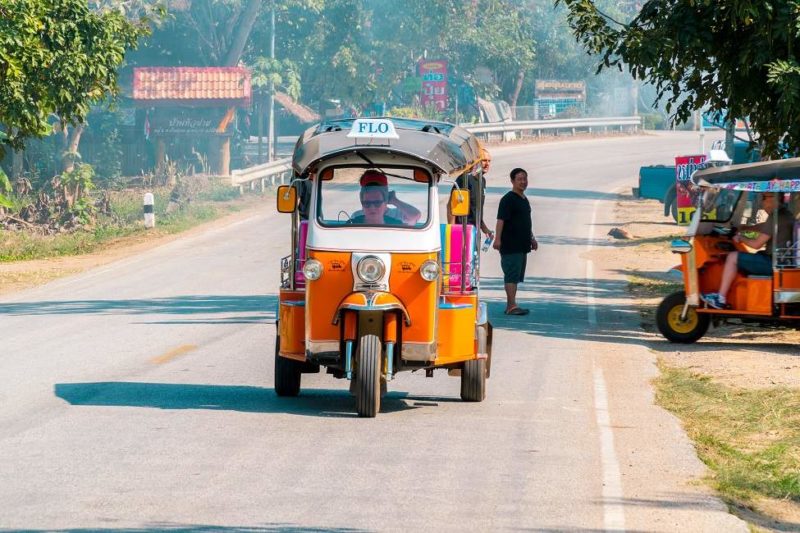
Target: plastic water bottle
[{"x": 487, "y": 242}]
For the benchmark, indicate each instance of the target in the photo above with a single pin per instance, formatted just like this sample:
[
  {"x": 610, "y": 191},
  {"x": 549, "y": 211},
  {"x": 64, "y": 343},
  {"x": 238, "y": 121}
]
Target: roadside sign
[
  {"x": 685, "y": 165},
  {"x": 373, "y": 128},
  {"x": 434, "y": 83}
]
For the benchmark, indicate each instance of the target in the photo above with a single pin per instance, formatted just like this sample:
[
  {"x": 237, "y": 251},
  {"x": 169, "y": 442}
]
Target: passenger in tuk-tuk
[
  {"x": 760, "y": 262},
  {"x": 375, "y": 199}
]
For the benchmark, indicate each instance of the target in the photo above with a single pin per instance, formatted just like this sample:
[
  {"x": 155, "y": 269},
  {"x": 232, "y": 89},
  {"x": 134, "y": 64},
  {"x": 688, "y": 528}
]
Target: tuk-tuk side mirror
[
  {"x": 459, "y": 202},
  {"x": 327, "y": 174},
  {"x": 287, "y": 199}
]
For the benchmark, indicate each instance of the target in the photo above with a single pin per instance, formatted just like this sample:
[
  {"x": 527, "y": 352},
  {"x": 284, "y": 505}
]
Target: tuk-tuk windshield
[
  {"x": 373, "y": 197},
  {"x": 718, "y": 204}
]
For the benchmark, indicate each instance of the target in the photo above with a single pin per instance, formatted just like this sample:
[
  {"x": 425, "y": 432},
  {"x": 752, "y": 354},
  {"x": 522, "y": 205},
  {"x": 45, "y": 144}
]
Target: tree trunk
[
  {"x": 243, "y": 29},
  {"x": 515, "y": 94},
  {"x": 71, "y": 139}
]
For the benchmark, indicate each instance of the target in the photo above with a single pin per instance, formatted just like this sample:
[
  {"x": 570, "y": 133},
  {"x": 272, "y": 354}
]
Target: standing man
[
  {"x": 472, "y": 185},
  {"x": 514, "y": 237}
]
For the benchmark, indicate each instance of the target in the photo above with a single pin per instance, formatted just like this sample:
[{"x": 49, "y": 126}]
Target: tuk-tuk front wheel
[
  {"x": 473, "y": 375},
  {"x": 368, "y": 376},
  {"x": 287, "y": 373},
  {"x": 676, "y": 329}
]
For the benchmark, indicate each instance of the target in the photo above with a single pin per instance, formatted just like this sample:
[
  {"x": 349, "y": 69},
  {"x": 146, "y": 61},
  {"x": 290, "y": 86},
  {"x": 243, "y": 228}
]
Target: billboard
[
  {"x": 434, "y": 83},
  {"x": 686, "y": 197}
]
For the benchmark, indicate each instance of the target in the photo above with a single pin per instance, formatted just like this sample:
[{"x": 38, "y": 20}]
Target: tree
[
  {"x": 57, "y": 59},
  {"x": 738, "y": 57}
]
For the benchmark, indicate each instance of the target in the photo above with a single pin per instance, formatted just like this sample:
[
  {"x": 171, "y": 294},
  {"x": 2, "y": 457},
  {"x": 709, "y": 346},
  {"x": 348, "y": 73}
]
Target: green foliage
[
  {"x": 77, "y": 184},
  {"x": 103, "y": 127},
  {"x": 57, "y": 57},
  {"x": 283, "y": 73},
  {"x": 728, "y": 55},
  {"x": 5, "y": 189}
]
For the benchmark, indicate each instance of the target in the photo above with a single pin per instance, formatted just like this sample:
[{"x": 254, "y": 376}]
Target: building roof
[
  {"x": 302, "y": 113},
  {"x": 195, "y": 86}
]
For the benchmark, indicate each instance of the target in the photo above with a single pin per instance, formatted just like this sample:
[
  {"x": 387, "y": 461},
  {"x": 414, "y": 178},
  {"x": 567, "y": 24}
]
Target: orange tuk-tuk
[
  {"x": 737, "y": 204},
  {"x": 376, "y": 282}
]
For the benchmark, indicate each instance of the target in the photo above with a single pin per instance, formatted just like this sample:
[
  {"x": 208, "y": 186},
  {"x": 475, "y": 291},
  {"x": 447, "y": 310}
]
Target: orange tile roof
[{"x": 225, "y": 85}]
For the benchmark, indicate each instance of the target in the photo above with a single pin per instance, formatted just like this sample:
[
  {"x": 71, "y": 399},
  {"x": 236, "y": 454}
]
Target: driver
[
  {"x": 758, "y": 263},
  {"x": 374, "y": 210},
  {"x": 401, "y": 213}
]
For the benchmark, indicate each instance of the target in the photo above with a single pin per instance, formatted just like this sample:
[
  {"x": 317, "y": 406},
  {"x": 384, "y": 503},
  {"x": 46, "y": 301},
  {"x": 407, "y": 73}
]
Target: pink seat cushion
[{"x": 451, "y": 255}]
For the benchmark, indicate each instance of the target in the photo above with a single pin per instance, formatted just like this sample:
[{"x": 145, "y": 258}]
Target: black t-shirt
[
  {"x": 473, "y": 197},
  {"x": 515, "y": 212}
]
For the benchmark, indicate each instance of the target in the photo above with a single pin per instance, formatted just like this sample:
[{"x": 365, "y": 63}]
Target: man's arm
[
  {"x": 760, "y": 240},
  {"x": 409, "y": 213},
  {"x": 498, "y": 234}
]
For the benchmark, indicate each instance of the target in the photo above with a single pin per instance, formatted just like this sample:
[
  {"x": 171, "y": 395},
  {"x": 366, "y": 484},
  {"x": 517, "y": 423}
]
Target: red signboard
[
  {"x": 434, "y": 83},
  {"x": 685, "y": 165}
]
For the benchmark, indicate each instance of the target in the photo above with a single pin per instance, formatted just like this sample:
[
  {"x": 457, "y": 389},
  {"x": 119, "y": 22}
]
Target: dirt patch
[{"x": 19, "y": 275}]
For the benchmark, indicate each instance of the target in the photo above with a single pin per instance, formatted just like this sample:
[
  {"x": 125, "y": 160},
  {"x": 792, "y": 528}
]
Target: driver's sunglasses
[{"x": 372, "y": 203}]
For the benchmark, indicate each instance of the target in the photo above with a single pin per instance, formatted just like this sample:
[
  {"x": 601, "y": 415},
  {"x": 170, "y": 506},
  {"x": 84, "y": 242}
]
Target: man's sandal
[{"x": 516, "y": 310}]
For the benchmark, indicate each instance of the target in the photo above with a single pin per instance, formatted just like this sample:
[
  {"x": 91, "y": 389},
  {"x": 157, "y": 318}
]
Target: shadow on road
[
  {"x": 160, "y": 527},
  {"x": 568, "y": 194},
  {"x": 310, "y": 402},
  {"x": 262, "y": 305},
  {"x": 560, "y": 308}
]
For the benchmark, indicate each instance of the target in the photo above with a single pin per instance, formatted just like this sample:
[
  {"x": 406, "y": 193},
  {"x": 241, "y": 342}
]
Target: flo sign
[{"x": 373, "y": 128}]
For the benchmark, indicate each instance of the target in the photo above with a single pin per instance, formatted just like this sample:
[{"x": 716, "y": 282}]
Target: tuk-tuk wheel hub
[{"x": 681, "y": 325}]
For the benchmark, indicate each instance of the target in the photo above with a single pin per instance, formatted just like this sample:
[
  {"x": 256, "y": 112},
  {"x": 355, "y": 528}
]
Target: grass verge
[
  {"x": 750, "y": 439},
  {"x": 125, "y": 221}
]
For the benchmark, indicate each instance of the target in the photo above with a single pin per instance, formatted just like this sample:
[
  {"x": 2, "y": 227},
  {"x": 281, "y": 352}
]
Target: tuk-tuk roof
[
  {"x": 447, "y": 147},
  {"x": 766, "y": 176}
]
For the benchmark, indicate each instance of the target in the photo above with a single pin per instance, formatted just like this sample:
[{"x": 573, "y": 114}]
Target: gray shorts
[{"x": 513, "y": 266}]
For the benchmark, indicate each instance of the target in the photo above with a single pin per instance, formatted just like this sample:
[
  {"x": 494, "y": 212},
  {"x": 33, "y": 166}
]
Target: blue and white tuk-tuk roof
[
  {"x": 446, "y": 147},
  {"x": 766, "y": 176}
]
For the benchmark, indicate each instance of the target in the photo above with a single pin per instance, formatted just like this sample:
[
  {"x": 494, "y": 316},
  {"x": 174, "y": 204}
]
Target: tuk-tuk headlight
[
  {"x": 429, "y": 270},
  {"x": 370, "y": 269},
  {"x": 312, "y": 270}
]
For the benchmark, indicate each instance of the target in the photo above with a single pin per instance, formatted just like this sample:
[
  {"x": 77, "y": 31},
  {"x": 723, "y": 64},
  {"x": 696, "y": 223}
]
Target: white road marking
[{"x": 613, "y": 512}]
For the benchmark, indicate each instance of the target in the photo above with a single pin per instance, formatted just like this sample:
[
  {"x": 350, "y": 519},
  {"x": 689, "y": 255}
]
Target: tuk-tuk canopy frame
[
  {"x": 765, "y": 176},
  {"x": 448, "y": 148}
]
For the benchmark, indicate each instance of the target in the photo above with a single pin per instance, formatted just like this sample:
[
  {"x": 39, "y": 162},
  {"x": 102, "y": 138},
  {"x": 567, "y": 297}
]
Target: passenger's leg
[{"x": 728, "y": 274}]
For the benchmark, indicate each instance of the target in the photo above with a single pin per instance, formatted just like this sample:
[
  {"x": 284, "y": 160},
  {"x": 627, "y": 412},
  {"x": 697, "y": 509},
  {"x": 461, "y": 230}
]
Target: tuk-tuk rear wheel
[
  {"x": 287, "y": 373},
  {"x": 473, "y": 375},
  {"x": 673, "y": 327},
  {"x": 368, "y": 376}
]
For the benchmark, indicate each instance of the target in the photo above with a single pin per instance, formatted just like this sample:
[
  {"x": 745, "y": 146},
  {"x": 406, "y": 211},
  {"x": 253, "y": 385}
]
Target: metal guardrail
[
  {"x": 589, "y": 124},
  {"x": 279, "y": 169}
]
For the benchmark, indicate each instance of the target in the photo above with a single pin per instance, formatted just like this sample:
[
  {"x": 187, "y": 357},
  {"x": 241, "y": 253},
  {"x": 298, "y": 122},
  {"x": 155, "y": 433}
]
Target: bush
[{"x": 653, "y": 121}]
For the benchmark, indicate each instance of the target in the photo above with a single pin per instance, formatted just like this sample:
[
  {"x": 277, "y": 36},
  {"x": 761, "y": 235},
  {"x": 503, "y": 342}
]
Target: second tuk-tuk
[
  {"x": 376, "y": 283},
  {"x": 732, "y": 200}
]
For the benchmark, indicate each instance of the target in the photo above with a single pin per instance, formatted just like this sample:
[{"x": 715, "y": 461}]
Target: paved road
[{"x": 138, "y": 396}]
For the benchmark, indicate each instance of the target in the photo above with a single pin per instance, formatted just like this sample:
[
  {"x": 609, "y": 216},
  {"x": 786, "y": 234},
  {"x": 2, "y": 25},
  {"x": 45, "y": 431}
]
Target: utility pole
[{"x": 271, "y": 141}]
